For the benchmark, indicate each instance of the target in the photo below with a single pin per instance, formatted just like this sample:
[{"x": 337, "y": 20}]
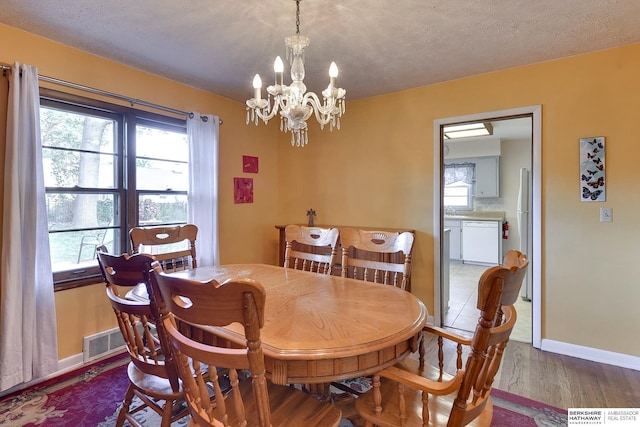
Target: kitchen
[{"x": 485, "y": 208}]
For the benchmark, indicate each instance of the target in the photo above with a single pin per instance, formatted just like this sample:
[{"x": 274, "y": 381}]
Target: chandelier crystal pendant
[{"x": 293, "y": 102}]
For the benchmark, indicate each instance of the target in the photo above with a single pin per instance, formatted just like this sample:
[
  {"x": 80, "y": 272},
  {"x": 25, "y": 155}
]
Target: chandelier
[{"x": 293, "y": 102}]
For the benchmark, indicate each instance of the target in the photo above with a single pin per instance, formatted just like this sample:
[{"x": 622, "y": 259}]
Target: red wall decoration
[
  {"x": 243, "y": 190},
  {"x": 249, "y": 164}
]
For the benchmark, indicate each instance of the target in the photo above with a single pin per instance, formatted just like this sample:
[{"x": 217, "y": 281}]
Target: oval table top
[{"x": 312, "y": 318}]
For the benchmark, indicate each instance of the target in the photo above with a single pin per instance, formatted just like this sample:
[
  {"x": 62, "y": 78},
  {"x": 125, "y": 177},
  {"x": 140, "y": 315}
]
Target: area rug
[
  {"x": 91, "y": 397},
  {"x": 84, "y": 397},
  {"x": 510, "y": 410}
]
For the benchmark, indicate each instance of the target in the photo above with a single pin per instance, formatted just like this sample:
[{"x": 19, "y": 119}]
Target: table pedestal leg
[{"x": 320, "y": 391}]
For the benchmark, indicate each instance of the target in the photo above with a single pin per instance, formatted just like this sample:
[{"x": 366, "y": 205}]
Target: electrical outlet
[{"x": 606, "y": 214}]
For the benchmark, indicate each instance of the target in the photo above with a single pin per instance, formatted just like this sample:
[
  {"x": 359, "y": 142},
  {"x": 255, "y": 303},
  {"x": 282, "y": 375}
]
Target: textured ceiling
[{"x": 380, "y": 46}]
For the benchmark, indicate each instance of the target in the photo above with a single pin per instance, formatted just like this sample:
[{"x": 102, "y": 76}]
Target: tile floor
[{"x": 463, "y": 314}]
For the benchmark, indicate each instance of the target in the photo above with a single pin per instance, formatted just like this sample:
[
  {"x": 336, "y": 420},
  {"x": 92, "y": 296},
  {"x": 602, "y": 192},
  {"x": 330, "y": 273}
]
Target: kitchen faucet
[{"x": 450, "y": 210}]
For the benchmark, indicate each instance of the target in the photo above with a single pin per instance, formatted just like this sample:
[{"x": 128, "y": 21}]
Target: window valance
[{"x": 459, "y": 172}]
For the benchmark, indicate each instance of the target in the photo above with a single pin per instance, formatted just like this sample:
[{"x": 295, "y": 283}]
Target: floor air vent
[{"x": 102, "y": 344}]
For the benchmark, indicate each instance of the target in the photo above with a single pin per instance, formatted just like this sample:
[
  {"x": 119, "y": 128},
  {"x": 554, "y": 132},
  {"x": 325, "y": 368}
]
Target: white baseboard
[
  {"x": 592, "y": 354},
  {"x": 70, "y": 363}
]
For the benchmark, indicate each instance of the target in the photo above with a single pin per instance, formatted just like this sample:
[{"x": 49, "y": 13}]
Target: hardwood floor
[
  {"x": 561, "y": 381},
  {"x": 558, "y": 380},
  {"x": 568, "y": 382}
]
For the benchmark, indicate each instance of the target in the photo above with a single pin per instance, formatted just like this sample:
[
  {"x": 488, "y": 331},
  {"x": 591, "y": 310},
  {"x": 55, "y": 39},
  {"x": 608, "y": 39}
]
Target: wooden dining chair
[
  {"x": 152, "y": 373},
  {"x": 226, "y": 400},
  {"x": 402, "y": 396},
  {"x": 377, "y": 256},
  {"x": 174, "y": 247},
  {"x": 310, "y": 248},
  {"x": 513, "y": 260},
  {"x": 374, "y": 256}
]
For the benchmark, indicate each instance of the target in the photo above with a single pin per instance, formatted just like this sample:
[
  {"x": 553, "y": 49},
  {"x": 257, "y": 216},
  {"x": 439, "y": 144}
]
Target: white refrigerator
[{"x": 524, "y": 226}]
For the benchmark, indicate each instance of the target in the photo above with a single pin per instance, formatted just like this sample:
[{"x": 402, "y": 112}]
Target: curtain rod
[{"x": 131, "y": 101}]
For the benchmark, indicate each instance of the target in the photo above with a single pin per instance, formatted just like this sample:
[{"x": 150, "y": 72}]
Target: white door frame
[{"x": 536, "y": 209}]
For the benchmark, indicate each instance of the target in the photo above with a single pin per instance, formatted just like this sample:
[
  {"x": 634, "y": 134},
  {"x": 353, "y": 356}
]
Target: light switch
[{"x": 606, "y": 214}]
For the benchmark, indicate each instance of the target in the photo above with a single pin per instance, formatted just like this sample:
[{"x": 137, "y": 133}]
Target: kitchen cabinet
[
  {"x": 487, "y": 176},
  {"x": 481, "y": 242},
  {"x": 455, "y": 239}
]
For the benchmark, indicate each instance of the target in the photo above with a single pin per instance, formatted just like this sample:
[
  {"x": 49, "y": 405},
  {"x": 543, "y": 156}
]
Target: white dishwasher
[{"x": 481, "y": 242}]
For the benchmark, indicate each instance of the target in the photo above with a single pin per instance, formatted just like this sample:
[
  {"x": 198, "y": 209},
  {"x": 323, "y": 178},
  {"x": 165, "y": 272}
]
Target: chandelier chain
[{"x": 297, "y": 17}]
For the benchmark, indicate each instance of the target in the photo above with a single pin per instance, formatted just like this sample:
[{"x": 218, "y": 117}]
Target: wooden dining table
[{"x": 321, "y": 328}]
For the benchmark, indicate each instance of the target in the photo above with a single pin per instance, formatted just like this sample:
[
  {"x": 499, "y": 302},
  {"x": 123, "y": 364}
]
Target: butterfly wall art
[{"x": 592, "y": 178}]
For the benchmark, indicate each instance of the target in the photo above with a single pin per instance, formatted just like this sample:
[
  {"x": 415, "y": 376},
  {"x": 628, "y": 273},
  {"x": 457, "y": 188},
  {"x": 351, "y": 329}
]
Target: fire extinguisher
[{"x": 505, "y": 230}]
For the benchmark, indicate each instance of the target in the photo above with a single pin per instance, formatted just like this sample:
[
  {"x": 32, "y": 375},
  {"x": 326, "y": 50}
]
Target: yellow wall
[
  {"x": 590, "y": 294},
  {"x": 378, "y": 171},
  {"x": 245, "y": 229}
]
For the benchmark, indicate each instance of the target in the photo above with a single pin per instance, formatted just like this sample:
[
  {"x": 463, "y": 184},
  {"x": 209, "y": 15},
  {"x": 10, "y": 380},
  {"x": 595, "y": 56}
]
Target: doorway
[{"x": 520, "y": 130}]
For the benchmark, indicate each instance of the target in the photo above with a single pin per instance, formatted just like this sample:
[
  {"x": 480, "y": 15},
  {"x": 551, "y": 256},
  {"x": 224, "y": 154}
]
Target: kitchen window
[
  {"x": 107, "y": 168},
  {"x": 458, "y": 185}
]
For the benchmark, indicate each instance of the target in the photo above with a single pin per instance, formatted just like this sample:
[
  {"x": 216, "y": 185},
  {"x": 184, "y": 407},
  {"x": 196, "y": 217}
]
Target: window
[
  {"x": 107, "y": 168},
  {"x": 458, "y": 185},
  {"x": 458, "y": 195},
  {"x": 162, "y": 175}
]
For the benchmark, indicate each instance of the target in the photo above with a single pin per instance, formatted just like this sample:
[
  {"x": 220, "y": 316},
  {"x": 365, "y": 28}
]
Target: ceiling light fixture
[
  {"x": 294, "y": 102},
  {"x": 468, "y": 130}
]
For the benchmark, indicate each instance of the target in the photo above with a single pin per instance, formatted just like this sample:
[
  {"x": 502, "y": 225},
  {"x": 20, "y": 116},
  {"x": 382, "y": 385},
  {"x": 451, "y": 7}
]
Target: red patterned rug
[
  {"x": 87, "y": 397},
  {"x": 91, "y": 397},
  {"x": 511, "y": 410}
]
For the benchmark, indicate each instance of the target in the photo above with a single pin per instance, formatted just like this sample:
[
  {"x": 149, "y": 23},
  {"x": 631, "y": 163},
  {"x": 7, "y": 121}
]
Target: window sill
[{"x": 70, "y": 279}]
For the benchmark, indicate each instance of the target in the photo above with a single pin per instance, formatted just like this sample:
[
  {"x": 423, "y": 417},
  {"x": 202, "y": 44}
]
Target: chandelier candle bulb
[
  {"x": 257, "y": 86},
  {"x": 333, "y": 73},
  {"x": 278, "y": 67}
]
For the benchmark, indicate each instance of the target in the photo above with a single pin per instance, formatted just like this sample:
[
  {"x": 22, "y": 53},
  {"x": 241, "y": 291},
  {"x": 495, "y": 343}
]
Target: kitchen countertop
[{"x": 476, "y": 216}]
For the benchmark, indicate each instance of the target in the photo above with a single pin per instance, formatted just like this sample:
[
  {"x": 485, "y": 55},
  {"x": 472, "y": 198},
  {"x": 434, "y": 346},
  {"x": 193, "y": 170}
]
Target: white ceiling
[{"x": 380, "y": 46}]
